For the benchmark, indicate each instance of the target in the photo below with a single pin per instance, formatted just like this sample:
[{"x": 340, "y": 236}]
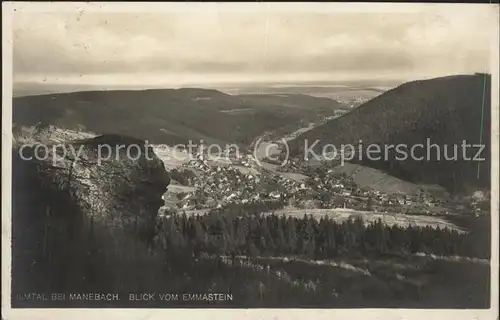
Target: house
[
  {"x": 346, "y": 192},
  {"x": 275, "y": 195}
]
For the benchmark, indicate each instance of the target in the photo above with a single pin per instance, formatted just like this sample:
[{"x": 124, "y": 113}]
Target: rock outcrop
[{"x": 84, "y": 215}]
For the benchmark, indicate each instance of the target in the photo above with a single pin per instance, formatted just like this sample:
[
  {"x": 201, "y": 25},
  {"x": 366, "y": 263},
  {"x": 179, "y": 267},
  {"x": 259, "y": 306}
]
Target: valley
[
  {"x": 303, "y": 227},
  {"x": 210, "y": 182},
  {"x": 297, "y": 156}
]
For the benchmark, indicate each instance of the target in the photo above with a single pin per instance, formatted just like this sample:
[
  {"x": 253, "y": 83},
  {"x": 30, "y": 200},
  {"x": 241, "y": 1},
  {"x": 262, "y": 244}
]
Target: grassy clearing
[{"x": 340, "y": 214}]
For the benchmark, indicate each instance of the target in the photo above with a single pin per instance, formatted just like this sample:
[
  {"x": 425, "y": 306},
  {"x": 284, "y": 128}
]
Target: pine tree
[
  {"x": 281, "y": 243},
  {"x": 369, "y": 204},
  {"x": 308, "y": 241},
  {"x": 267, "y": 243},
  {"x": 241, "y": 233},
  {"x": 291, "y": 235},
  {"x": 200, "y": 238}
]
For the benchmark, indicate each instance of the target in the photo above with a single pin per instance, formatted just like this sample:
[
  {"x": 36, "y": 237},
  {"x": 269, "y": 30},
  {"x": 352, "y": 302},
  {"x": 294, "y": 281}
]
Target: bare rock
[{"x": 84, "y": 215}]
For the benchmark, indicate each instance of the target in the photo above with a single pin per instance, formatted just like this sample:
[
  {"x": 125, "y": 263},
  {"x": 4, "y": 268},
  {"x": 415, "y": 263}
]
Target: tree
[
  {"x": 291, "y": 235},
  {"x": 369, "y": 204},
  {"x": 241, "y": 233},
  {"x": 16, "y": 129},
  {"x": 200, "y": 238},
  {"x": 181, "y": 195},
  {"x": 252, "y": 250},
  {"x": 281, "y": 243},
  {"x": 41, "y": 126}
]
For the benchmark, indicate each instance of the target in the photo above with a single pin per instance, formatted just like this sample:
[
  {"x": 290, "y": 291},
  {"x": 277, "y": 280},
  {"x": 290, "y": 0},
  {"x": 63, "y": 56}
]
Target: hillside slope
[
  {"x": 445, "y": 110},
  {"x": 172, "y": 115}
]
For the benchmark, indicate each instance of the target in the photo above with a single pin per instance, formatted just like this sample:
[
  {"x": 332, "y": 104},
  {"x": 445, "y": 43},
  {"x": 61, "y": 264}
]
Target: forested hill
[
  {"x": 173, "y": 115},
  {"x": 445, "y": 110}
]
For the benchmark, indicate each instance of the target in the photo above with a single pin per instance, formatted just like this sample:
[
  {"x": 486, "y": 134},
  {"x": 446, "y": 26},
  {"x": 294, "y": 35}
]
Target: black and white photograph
[{"x": 250, "y": 156}]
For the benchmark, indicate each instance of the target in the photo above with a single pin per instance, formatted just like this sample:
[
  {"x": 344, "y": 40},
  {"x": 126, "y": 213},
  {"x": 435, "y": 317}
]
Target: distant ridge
[{"x": 172, "y": 116}]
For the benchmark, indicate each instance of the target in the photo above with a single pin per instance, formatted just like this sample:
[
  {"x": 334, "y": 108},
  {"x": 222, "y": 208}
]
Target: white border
[{"x": 319, "y": 314}]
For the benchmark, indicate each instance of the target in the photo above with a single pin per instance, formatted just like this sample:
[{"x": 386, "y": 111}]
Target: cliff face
[{"x": 83, "y": 222}]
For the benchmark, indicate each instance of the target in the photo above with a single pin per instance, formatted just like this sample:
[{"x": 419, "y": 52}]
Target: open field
[
  {"x": 340, "y": 214},
  {"x": 177, "y": 188},
  {"x": 172, "y": 158}
]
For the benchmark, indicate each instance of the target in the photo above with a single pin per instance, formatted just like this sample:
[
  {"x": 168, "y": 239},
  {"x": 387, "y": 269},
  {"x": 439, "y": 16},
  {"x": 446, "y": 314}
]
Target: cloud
[{"x": 100, "y": 44}]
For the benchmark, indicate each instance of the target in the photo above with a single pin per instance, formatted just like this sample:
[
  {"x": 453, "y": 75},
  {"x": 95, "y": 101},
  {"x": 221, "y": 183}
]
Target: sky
[{"x": 188, "y": 47}]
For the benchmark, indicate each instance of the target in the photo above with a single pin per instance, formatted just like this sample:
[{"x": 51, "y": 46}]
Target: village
[{"x": 206, "y": 184}]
